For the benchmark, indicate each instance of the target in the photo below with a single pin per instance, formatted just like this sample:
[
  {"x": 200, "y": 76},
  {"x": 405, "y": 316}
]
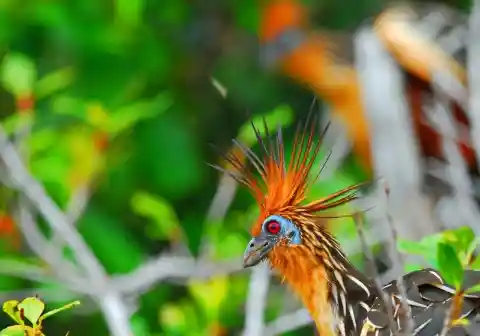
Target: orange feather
[{"x": 283, "y": 186}]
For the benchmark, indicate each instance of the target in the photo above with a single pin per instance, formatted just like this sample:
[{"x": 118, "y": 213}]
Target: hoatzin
[
  {"x": 323, "y": 62},
  {"x": 293, "y": 237}
]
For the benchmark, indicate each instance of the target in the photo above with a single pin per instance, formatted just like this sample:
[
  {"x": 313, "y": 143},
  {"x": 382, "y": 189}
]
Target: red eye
[{"x": 273, "y": 227}]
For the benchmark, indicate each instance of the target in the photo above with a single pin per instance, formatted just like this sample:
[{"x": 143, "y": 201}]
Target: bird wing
[
  {"x": 425, "y": 39},
  {"x": 430, "y": 300}
]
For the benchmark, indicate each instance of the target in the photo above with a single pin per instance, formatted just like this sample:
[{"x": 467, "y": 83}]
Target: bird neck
[{"x": 322, "y": 276}]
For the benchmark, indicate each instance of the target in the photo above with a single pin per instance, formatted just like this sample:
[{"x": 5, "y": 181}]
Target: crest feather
[{"x": 281, "y": 185}]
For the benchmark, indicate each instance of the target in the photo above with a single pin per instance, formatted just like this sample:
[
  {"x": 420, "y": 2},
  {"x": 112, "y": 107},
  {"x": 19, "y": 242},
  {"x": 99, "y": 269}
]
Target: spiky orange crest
[
  {"x": 280, "y": 15},
  {"x": 281, "y": 186}
]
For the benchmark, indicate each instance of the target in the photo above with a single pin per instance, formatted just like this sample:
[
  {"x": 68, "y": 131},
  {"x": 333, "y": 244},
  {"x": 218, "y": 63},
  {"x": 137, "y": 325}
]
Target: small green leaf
[
  {"x": 450, "y": 265},
  {"x": 10, "y": 308},
  {"x": 159, "y": 210},
  {"x": 18, "y": 74},
  {"x": 413, "y": 268},
  {"x": 426, "y": 248},
  {"x": 461, "y": 322},
  {"x": 54, "y": 82},
  {"x": 18, "y": 330},
  {"x": 126, "y": 117},
  {"x": 460, "y": 238},
  {"x": 476, "y": 264},
  {"x": 173, "y": 319},
  {"x": 410, "y": 247},
  {"x": 58, "y": 310},
  {"x": 32, "y": 309},
  {"x": 473, "y": 289}
]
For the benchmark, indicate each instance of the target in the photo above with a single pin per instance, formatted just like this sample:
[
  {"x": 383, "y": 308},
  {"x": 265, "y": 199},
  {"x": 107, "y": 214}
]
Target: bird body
[
  {"x": 316, "y": 60},
  {"x": 293, "y": 237}
]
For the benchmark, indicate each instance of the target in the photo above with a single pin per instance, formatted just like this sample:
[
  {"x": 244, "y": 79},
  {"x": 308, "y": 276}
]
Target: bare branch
[
  {"x": 115, "y": 312},
  {"x": 29, "y": 272},
  {"x": 170, "y": 267},
  {"x": 289, "y": 322},
  {"x": 257, "y": 300},
  {"x": 399, "y": 264},
  {"x": 393, "y": 138},
  {"x": 373, "y": 269}
]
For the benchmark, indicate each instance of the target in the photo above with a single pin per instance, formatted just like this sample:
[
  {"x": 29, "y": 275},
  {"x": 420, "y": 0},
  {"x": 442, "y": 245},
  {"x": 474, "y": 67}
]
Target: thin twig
[
  {"x": 256, "y": 300},
  {"x": 21, "y": 270},
  {"x": 75, "y": 208},
  {"x": 373, "y": 269},
  {"x": 64, "y": 269},
  {"x": 398, "y": 261}
]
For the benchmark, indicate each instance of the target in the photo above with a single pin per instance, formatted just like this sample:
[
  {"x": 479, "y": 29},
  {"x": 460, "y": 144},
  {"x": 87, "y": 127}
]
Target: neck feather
[{"x": 324, "y": 279}]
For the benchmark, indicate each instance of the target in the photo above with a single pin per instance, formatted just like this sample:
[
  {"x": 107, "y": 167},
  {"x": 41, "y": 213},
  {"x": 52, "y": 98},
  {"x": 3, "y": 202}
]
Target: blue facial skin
[{"x": 259, "y": 247}]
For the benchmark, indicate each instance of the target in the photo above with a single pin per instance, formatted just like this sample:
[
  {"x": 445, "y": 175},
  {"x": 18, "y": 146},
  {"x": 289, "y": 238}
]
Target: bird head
[
  {"x": 282, "y": 26},
  {"x": 288, "y": 229}
]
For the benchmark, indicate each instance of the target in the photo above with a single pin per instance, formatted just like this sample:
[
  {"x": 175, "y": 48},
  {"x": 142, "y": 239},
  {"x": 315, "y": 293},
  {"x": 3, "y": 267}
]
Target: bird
[
  {"x": 318, "y": 60},
  {"x": 293, "y": 237}
]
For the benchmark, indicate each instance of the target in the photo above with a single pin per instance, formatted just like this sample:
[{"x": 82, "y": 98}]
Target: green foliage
[
  {"x": 164, "y": 220},
  {"x": 30, "y": 310},
  {"x": 18, "y": 74},
  {"x": 450, "y": 252},
  {"x": 450, "y": 264}
]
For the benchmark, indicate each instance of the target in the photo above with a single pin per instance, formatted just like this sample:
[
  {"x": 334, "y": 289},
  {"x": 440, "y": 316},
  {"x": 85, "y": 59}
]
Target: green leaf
[
  {"x": 410, "y": 247},
  {"x": 69, "y": 105},
  {"x": 460, "y": 238},
  {"x": 10, "y": 308},
  {"x": 450, "y": 265},
  {"x": 413, "y": 268},
  {"x": 281, "y": 116},
  {"x": 125, "y": 117},
  {"x": 58, "y": 310},
  {"x": 18, "y": 330},
  {"x": 473, "y": 289},
  {"x": 159, "y": 210},
  {"x": 173, "y": 319},
  {"x": 32, "y": 309},
  {"x": 476, "y": 264},
  {"x": 140, "y": 326},
  {"x": 229, "y": 244},
  {"x": 210, "y": 295},
  {"x": 426, "y": 248},
  {"x": 53, "y": 82},
  {"x": 129, "y": 11},
  {"x": 18, "y": 74}
]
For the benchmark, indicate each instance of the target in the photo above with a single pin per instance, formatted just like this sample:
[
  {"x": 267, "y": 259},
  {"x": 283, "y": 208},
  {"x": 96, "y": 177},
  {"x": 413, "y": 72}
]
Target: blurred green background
[{"x": 125, "y": 98}]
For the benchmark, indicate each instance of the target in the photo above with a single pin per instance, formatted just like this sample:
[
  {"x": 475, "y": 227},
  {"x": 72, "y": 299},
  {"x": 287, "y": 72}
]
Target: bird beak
[{"x": 257, "y": 250}]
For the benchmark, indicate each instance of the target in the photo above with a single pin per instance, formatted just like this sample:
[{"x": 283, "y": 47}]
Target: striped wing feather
[{"x": 430, "y": 299}]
